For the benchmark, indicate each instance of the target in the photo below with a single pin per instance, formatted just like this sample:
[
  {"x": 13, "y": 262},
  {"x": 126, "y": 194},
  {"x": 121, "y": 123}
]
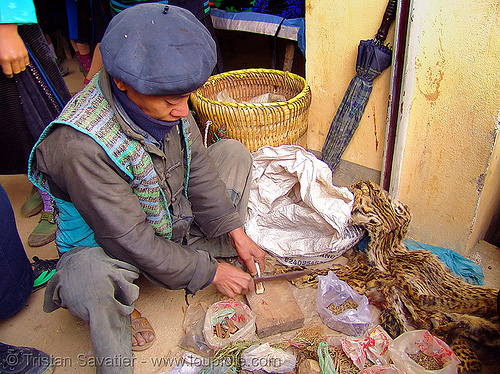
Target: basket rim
[{"x": 300, "y": 96}]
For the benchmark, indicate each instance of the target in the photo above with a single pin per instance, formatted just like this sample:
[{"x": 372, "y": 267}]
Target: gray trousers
[{"x": 101, "y": 290}]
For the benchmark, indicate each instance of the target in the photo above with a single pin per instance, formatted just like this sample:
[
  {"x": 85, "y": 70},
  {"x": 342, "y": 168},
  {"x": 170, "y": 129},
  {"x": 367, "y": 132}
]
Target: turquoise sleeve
[{"x": 17, "y": 11}]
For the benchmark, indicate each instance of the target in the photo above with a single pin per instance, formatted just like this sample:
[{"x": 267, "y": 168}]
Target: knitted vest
[{"x": 90, "y": 113}]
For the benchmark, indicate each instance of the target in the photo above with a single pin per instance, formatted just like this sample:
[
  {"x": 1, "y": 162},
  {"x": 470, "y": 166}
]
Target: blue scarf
[{"x": 156, "y": 128}]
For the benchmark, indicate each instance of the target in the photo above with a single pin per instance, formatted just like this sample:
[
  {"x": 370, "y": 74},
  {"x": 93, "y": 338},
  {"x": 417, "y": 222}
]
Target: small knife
[{"x": 282, "y": 276}]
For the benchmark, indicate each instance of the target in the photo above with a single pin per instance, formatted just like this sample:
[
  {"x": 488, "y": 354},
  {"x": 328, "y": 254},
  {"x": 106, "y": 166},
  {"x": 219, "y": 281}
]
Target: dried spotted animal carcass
[{"x": 414, "y": 289}]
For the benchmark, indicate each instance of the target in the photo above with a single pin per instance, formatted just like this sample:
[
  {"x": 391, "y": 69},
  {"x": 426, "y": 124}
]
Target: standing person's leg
[
  {"x": 43, "y": 100},
  {"x": 15, "y": 288},
  {"x": 99, "y": 290},
  {"x": 95, "y": 66},
  {"x": 234, "y": 162},
  {"x": 17, "y": 274},
  {"x": 84, "y": 57},
  {"x": 45, "y": 232}
]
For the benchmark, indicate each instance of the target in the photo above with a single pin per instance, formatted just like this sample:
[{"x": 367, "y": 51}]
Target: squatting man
[{"x": 135, "y": 189}]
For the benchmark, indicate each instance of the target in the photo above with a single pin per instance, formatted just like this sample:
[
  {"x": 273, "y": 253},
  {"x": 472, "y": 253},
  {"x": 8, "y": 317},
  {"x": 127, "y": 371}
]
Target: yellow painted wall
[
  {"x": 445, "y": 172},
  {"x": 334, "y": 29},
  {"x": 451, "y": 104}
]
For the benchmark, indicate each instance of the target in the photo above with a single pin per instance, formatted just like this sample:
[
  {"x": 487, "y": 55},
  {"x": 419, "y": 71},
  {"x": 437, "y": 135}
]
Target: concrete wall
[
  {"x": 450, "y": 116},
  {"x": 489, "y": 204},
  {"x": 446, "y": 164}
]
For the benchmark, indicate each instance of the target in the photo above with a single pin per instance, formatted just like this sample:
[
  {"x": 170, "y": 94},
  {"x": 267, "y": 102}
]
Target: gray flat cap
[{"x": 158, "y": 49}]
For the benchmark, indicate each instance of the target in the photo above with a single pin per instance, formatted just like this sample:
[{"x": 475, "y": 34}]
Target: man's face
[{"x": 163, "y": 108}]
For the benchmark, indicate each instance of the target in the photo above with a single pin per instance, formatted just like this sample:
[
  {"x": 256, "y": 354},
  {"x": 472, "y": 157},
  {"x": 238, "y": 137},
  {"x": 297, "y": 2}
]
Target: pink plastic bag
[
  {"x": 384, "y": 369},
  {"x": 373, "y": 346},
  {"x": 241, "y": 315}
]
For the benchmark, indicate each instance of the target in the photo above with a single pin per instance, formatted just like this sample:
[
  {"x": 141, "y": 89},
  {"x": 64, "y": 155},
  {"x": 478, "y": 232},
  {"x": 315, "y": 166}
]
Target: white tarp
[{"x": 294, "y": 210}]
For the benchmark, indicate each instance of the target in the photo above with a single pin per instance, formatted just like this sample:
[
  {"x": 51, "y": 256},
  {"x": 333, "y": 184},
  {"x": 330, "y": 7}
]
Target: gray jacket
[{"x": 79, "y": 170}]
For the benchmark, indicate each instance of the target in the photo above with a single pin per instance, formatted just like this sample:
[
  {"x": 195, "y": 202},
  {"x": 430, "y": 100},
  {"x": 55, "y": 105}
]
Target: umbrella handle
[{"x": 390, "y": 13}]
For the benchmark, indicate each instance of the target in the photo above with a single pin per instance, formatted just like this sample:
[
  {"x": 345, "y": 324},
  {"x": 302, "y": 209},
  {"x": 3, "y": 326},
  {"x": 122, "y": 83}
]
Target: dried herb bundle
[
  {"x": 426, "y": 361},
  {"x": 348, "y": 304},
  {"x": 343, "y": 364},
  {"x": 231, "y": 353}
]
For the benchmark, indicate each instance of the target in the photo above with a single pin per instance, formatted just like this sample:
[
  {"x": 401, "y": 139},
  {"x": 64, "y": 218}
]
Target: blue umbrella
[{"x": 373, "y": 58}]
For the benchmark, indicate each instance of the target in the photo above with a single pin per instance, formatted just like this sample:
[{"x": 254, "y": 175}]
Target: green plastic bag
[{"x": 325, "y": 360}]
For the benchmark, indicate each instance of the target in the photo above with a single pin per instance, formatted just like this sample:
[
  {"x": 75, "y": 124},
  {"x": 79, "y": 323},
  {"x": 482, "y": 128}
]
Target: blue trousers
[{"x": 15, "y": 269}]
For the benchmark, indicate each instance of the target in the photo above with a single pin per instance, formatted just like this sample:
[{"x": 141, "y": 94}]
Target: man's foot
[
  {"x": 43, "y": 271},
  {"x": 24, "y": 360},
  {"x": 143, "y": 334},
  {"x": 33, "y": 205},
  {"x": 45, "y": 232}
]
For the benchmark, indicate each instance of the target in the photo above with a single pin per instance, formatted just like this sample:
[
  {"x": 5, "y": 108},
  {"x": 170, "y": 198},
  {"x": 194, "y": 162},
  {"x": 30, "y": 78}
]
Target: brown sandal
[{"x": 141, "y": 325}]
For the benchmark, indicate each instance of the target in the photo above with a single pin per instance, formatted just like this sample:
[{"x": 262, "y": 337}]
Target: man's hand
[
  {"x": 232, "y": 281},
  {"x": 248, "y": 251},
  {"x": 13, "y": 53}
]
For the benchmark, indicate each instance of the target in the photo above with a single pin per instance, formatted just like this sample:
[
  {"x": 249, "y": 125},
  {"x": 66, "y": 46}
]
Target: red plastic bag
[{"x": 373, "y": 346}]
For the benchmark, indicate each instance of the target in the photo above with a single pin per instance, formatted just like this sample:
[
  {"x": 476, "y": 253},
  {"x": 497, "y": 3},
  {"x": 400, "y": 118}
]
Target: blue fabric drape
[{"x": 466, "y": 269}]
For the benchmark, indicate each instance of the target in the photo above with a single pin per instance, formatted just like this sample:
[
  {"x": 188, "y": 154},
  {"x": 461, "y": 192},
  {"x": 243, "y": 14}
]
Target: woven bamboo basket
[{"x": 254, "y": 124}]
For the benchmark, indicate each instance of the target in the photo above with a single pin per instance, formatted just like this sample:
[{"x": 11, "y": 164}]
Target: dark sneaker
[
  {"x": 24, "y": 360},
  {"x": 43, "y": 270}
]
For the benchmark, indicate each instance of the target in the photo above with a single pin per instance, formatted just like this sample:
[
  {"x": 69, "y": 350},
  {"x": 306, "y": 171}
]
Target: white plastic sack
[
  {"x": 413, "y": 342},
  {"x": 190, "y": 364},
  {"x": 268, "y": 97},
  {"x": 294, "y": 210},
  {"x": 350, "y": 236},
  {"x": 264, "y": 357}
]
